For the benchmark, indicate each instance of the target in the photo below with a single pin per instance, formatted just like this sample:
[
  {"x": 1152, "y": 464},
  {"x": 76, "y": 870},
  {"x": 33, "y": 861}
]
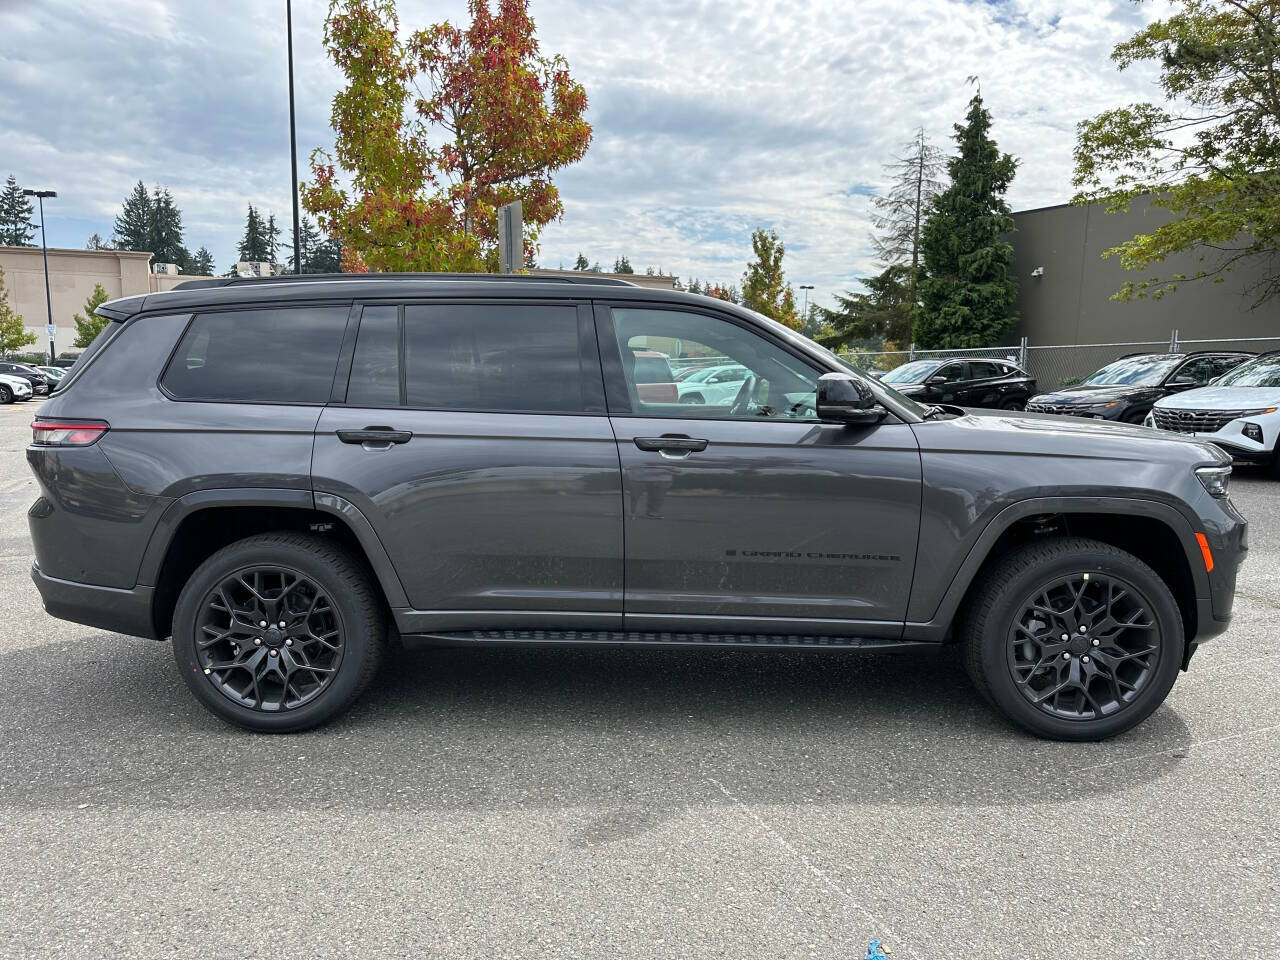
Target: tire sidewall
[
  {"x": 1000, "y": 618},
  {"x": 357, "y": 635},
  {"x": 6, "y": 395}
]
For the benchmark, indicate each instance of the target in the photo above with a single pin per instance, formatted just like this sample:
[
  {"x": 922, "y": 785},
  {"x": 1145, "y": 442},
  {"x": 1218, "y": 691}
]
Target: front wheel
[
  {"x": 1013, "y": 405},
  {"x": 1073, "y": 639},
  {"x": 692, "y": 398},
  {"x": 6, "y": 395},
  {"x": 279, "y": 632}
]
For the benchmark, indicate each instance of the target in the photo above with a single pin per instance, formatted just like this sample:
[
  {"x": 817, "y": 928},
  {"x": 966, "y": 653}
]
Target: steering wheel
[{"x": 745, "y": 401}]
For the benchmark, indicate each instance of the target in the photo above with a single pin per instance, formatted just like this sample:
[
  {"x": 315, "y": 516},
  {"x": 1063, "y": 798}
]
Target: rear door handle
[
  {"x": 375, "y": 435},
  {"x": 671, "y": 445}
]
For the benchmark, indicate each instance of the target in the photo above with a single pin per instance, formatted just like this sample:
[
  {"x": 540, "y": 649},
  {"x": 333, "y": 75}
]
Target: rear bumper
[{"x": 126, "y": 611}]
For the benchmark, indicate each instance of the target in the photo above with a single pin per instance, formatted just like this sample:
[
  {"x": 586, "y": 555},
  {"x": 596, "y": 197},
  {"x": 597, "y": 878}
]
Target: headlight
[
  {"x": 1215, "y": 479},
  {"x": 1150, "y": 421}
]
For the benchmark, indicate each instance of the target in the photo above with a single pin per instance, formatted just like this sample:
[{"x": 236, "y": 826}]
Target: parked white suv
[
  {"x": 13, "y": 388},
  {"x": 1240, "y": 411}
]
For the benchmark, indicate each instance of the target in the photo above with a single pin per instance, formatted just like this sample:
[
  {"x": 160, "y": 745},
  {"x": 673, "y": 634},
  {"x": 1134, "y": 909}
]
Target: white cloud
[{"x": 710, "y": 117}]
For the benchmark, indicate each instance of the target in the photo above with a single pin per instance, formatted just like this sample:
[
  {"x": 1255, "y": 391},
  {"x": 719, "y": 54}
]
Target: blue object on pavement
[{"x": 875, "y": 951}]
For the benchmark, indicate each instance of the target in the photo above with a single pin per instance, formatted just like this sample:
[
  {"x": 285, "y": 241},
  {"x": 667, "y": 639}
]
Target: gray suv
[{"x": 282, "y": 475}]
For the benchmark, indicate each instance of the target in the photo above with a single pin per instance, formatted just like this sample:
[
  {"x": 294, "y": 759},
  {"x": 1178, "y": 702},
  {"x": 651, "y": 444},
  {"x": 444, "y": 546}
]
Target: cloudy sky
[{"x": 711, "y": 117}]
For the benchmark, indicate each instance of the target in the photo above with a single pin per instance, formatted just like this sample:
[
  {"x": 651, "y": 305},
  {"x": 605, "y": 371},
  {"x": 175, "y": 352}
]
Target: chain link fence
[{"x": 1059, "y": 365}]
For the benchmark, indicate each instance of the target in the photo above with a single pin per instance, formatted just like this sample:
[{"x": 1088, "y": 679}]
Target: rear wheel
[
  {"x": 6, "y": 395},
  {"x": 692, "y": 398},
  {"x": 1073, "y": 639},
  {"x": 1013, "y": 405},
  {"x": 279, "y": 632}
]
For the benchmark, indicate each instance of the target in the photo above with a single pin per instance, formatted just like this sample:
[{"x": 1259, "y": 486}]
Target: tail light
[{"x": 67, "y": 433}]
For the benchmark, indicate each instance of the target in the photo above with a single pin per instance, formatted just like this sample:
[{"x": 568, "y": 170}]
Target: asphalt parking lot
[{"x": 628, "y": 803}]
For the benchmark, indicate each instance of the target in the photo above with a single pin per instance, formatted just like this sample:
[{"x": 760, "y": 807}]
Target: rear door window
[
  {"x": 520, "y": 358},
  {"x": 983, "y": 370},
  {"x": 375, "y": 367},
  {"x": 285, "y": 355}
]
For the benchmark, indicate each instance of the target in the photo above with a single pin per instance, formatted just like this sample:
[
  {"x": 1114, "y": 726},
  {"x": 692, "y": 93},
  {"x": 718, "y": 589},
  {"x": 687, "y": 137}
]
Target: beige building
[{"x": 72, "y": 275}]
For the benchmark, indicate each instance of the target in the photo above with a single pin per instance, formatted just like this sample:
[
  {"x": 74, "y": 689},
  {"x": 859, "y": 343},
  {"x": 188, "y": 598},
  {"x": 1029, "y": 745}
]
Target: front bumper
[{"x": 126, "y": 611}]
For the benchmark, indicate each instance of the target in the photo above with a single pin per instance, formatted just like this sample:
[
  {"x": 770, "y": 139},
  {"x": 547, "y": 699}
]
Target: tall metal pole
[
  {"x": 293, "y": 143},
  {"x": 44, "y": 251},
  {"x": 806, "y": 287}
]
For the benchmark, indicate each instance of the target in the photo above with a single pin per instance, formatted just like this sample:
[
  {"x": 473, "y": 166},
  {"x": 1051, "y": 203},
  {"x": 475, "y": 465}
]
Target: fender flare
[
  {"x": 183, "y": 507},
  {"x": 936, "y": 626}
]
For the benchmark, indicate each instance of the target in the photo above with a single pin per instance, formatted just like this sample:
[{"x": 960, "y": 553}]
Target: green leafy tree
[
  {"x": 201, "y": 263},
  {"x": 16, "y": 228},
  {"x": 12, "y": 334},
  {"x": 90, "y": 324},
  {"x": 967, "y": 291},
  {"x": 1210, "y": 154},
  {"x": 508, "y": 116},
  {"x": 764, "y": 285},
  {"x": 581, "y": 263},
  {"x": 133, "y": 226},
  {"x": 882, "y": 314},
  {"x": 622, "y": 265}
]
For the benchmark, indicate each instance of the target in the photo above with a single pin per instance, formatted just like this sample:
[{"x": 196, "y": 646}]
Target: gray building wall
[{"x": 1071, "y": 302}]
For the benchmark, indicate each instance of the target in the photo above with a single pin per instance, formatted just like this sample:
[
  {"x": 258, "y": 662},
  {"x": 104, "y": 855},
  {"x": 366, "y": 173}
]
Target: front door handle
[
  {"x": 379, "y": 436},
  {"x": 671, "y": 445}
]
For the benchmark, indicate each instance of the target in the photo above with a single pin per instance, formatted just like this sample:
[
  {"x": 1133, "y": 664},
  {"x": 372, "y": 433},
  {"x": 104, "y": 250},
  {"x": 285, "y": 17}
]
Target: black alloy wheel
[
  {"x": 270, "y": 638},
  {"x": 279, "y": 632},
  {"x": 1072, "y": 639},
  {"x": 1084, "y": 646}
]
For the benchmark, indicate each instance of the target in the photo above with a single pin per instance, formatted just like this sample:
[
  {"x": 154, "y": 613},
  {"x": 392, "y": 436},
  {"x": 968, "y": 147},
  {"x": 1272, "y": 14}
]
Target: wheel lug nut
[
  {"x": 1085, "y": 658},
  {"x": 288, "y": 641},
  {"x": 1065, "y": 637},
  {"x": 262, "y": 623},
  {"x": 275, "y": 653},
  {"x": 1082, "y": 629},
  {"x": 257, "y": 641},
  {"x": 1065, "y": 655},
  {"x": 1096, "y": 642},
  {"x": 282, "y": 624}
]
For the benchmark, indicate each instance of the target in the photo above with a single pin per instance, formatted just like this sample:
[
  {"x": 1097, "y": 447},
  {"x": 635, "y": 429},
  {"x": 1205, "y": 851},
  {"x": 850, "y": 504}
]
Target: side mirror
[
  {"x": 1181, "y": 383},
  {"x": 843, "y": 398},
  {"x": 937, "y": 380}
]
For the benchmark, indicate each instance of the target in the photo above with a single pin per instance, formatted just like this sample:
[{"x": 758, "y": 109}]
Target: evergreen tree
[
  {"x": 882, "y": 314},
  {"x": 327, "y": 256},
  {"x": 90, "y": 325},
  {"x": 201, "y": 263},
  {"x": 95, "y": 242},
  {"x": 16, "y": 229},
  {"x": 133, "y": 227},
  {"x": 764, "y": 285},
  {"x": 581, "y": 262},
  {"x": 165, "y": 234},
  {"x": 967, "y": 290},
  {"x": 273, "y": 238},
  {"x": 254, "y": 246},
  {"x": 901, "y": 212},
  {"x": 12, "y": 334},
  {"x": 622, "y": 265}
]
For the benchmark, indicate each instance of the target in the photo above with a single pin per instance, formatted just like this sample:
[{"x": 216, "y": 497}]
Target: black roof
[{"x": 345, "y": 287}]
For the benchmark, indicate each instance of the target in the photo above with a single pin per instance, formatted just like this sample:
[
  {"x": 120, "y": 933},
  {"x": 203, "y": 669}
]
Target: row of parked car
[
  {"x": 1229, "y": 397},
  {"x": 22, "y": 381}
]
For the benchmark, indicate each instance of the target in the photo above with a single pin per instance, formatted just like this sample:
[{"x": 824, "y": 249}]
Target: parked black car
[
  {"x": 281, "y": 474},
  {"x": 1128, "y": 388},
  {"x": 41, "y": 383},
  {"x": 997, "y": 384}
]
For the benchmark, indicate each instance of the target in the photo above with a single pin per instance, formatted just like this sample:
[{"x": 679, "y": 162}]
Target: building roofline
[{"x": 78, "y": 252}]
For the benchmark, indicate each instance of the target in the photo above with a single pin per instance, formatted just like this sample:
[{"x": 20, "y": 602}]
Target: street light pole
[
  {"x": 44, "y": 251},
  {"x": 293, "y": 142},
  {"x": 806, "y": 287}
]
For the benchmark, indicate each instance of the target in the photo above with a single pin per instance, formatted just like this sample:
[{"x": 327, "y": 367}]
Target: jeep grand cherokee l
[{"x": 278, "y": 474}]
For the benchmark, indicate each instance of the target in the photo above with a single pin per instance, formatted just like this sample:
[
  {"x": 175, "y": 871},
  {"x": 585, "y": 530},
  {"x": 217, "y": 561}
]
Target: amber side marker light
[
  {"x": 1205, "y": 552},
  {"x": 67, "y": 433}
]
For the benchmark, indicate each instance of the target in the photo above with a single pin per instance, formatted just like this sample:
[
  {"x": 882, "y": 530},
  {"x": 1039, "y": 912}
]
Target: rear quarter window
[{"x": 285, "y": 355}]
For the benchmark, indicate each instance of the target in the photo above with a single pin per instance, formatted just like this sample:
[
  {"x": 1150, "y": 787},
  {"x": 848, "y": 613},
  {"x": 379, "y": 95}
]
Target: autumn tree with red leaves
[{"x": 434, "y": 133}]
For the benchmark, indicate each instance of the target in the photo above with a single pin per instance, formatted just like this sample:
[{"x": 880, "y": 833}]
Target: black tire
[
  {"x": 1014, "y": 405},
  {"x": 6, "y": 395},
  {"x": 993, "y": 640},
  {"x": 352, "y": 602},
  {"x": 1135, "y": 416},
  {"x": 692, "y": 398}
]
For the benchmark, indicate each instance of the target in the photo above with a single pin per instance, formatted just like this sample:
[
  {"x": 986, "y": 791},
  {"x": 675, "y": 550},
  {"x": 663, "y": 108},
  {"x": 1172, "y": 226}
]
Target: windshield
[
  {"x": 1262, "y": 372},
  {"x": 1144, "y": 371},
  {"x": 913, "y": 372}
]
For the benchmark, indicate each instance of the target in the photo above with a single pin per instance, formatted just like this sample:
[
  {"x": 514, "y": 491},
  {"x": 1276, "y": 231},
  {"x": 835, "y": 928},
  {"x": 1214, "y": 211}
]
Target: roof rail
[{"x": 586, "y": 278}]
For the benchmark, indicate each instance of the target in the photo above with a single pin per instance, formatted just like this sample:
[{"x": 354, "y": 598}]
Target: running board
[{"x": 649, "y": 638}]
